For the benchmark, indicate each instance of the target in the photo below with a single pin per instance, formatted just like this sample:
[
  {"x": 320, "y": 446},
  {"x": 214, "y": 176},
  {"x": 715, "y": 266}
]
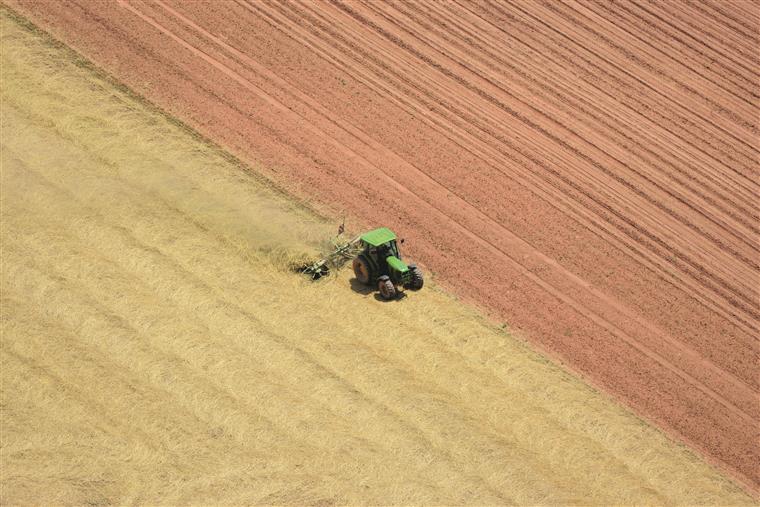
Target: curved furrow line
[
  {"x": 167, "y": 66},
  {"x": 701, "y": 21},
  {"x": 398, "y": 22},
  {"x": 633, "y": 118},
  {"x": 742, "y": 43},
  {"x": 748, "y": 299},
  {"x": 713, "y": 56},
  {"x": 666, "y": 270},
  {"x": 103, "y": 305},
  {"x": 643, "y": 102},
  {"x": 741, "y": 127},
  {"x": 740, "y": 112},
  {"x": 566, "y": 30},
  {"x": 483, "y": 114},
  {"x": 654, "y": 36},
  {"x": 561, "y": 96},
  {"x": 187, "y": 76},
  {"x": 526, "y": 272},
  {"x": 666, "y": 63},
  {"x": 727, "y": 19}
]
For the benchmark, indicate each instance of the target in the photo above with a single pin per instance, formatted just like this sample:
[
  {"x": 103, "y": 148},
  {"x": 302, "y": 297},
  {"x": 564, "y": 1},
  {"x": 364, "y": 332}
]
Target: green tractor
[
  {"x": 376, "y": 263},
  {"x": 379, "y": 264}
]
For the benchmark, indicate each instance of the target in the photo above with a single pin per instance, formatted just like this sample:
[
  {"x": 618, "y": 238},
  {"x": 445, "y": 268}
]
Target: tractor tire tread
[
  {"x": 417, "y": 279},
  {"x": 362, "y": 269},
  {"x": 386, "y": 288}
]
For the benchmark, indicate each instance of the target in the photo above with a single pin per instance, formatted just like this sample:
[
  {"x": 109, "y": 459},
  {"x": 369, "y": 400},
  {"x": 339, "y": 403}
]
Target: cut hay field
[
  {"x": 156, "y": 348},
  {"x": 588, "y": 172}
]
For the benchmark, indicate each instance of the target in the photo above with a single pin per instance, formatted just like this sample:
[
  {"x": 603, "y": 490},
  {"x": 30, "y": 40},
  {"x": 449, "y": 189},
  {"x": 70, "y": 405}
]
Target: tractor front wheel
[
  {"x": 362, "y": 269},
  {"x": 387, "y": 290},
  {"x": 417, "y": 280}
]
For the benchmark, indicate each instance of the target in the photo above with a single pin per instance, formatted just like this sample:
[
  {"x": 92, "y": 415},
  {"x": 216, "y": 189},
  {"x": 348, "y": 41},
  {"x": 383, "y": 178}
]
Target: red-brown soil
[{"x": 588, "y": 172}]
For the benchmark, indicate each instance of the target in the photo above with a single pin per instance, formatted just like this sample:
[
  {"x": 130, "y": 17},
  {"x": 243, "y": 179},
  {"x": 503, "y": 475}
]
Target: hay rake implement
[{"x": 337, "y": 258}]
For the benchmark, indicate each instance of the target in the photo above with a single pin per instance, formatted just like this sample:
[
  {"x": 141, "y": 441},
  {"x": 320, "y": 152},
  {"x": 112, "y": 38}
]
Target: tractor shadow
[{"x": 366, "y": 290}]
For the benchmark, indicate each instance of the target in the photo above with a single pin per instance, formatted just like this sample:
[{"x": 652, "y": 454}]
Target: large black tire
[
  {"x": 386, "y": 288},
  {"x": 362, "y": 270},
  {"x": 417, "y": 279}
]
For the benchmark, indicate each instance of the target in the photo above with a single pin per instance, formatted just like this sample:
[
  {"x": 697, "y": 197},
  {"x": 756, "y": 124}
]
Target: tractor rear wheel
[
  {"x": 417, "y": 279},
  {"x": 387, "y": 290},
  {"x": 362, "y": 269}
]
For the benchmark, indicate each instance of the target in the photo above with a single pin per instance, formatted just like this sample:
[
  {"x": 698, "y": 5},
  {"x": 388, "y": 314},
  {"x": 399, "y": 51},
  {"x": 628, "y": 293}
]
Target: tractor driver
[{"x": 383, "y": 252}]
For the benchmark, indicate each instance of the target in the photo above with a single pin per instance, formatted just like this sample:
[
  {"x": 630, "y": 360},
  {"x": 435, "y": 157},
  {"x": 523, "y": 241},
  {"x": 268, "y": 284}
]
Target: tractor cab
[
  {"x": 380, "y": 263},
  {"x": 381, "y": 245}
]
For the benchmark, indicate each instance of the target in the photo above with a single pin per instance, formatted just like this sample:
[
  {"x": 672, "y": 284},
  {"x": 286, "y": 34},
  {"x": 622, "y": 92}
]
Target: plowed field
[
  {"x": 588, "y": 172},
  {"x": 157, "y": 349}
]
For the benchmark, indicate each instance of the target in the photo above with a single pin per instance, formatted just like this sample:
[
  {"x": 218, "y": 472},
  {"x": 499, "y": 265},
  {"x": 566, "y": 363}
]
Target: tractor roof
[{"x": 378, "y": 236}]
